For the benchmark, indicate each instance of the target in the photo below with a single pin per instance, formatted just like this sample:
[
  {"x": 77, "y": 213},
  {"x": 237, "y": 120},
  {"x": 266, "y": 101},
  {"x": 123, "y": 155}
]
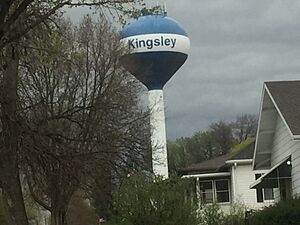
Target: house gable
[
  {"x": 280, "y": 115},
  {"x": 265, "y": 132},
  {"x": 278, "y": 135}
]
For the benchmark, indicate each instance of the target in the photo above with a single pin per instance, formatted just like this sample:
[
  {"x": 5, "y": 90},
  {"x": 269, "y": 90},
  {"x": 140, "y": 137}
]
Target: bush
[
  {"x": 142, "y": 201},
  {"x": 236, "y": 215},
  {"x": 210, "y": 214},
  {"x": 282, "y": 213},
  {"x": 114, "y": 222}
]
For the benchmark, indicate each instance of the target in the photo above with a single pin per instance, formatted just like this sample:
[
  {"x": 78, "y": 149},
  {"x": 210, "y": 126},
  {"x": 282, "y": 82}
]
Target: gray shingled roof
[
  {"x": 217, "y": 164},
  {"x": 286, "y": 95},
  {"x": 245, "y": 153},
  {"x": 212, "y": 165}
]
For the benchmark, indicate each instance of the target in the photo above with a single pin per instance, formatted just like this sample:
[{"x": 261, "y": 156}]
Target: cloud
[{"x": 235, "y": 46}]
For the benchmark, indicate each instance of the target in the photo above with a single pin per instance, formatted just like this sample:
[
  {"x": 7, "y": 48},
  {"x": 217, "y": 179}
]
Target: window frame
[
  {"x": 262, "y": 190},
  {"x": 214, "y": 190}
]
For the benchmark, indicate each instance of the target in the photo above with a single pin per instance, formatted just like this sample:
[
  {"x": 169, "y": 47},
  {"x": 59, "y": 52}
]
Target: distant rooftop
[{"x": 218, "y": 164}]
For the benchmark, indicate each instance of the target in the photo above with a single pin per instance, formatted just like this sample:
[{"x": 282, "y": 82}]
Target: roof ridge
[{"x": 281, "y": 81}]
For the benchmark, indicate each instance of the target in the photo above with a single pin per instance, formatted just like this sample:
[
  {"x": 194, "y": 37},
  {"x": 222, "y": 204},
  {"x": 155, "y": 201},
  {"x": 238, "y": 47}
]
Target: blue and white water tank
[{"x": 157, "y": 46}]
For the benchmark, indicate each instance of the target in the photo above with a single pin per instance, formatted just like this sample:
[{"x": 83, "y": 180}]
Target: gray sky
[{"x": 235, "y": 46}]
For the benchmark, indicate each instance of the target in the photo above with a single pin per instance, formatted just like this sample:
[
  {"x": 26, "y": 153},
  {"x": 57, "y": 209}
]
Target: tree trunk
[
  {"x": 9, "y": 167},
  {"x": 58, "y": 217},
  {"x": 13, "y": 201}
]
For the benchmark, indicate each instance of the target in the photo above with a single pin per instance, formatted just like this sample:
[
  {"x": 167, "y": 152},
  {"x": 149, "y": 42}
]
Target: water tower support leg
[{"x": 158, "y": 133}]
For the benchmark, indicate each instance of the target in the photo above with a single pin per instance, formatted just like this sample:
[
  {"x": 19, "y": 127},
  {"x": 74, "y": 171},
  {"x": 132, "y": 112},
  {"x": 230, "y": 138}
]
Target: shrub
[
  {"x": 210, "y": 214},
  {"x": 114, "y": 222},
  {"x": 142, "y": 201},
  {"x": 236, "y": 215},
  {"x": 282, "y": 213}
]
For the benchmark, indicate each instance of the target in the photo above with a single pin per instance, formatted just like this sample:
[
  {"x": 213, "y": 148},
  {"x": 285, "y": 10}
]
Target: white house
[
  {"x": 277, "y": 143},
  {"x": 226, "y": 180}
]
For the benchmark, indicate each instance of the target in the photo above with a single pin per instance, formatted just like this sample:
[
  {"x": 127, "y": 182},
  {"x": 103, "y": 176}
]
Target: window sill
[
  {"x": 223, "y": 203},
  {"x": 219, "y": 203}
]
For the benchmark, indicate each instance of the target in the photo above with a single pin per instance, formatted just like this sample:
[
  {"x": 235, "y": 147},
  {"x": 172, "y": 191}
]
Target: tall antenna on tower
[{"x": 165, "y": 9}]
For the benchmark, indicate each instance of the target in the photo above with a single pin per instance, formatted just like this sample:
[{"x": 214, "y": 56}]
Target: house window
[
  {"x": 206, "y": 191},
  {"x": 222, "y": 190},
  {"x": 264, "y": 194},
  {"x": 215, "y": 191}
]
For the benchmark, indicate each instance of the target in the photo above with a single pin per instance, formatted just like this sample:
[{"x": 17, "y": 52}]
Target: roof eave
[
  {"x": 239, "y": 161},
  {"x": 258, "y": 128},
  {"x": 296, "y": 137},
  {"x": 207, "y": 175}
]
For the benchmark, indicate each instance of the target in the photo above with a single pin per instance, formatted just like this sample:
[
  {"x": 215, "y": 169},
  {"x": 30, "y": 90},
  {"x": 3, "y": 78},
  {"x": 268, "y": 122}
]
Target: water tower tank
[{"x": 157, "y": 47}]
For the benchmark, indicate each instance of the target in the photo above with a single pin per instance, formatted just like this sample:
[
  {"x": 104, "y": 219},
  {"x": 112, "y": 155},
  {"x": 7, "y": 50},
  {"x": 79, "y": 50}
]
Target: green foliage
[
  {"x": 223, "y": 136},
  {"x": 80, "y": 212},
  {"x": 140, "y": 200},
  {"x": 282, "y": 213},
  {"x": 176, "y": 155},
  {"x": 102, "y": 197},
  {"x": 118, "y": 223},
  {"x": 242, "y": 145},
  {"x": 211, "y": 214},
  {"x": 236, "y": 215},
  {"x": 201, "y": 146},
  {"x": 219, "y": 139}
]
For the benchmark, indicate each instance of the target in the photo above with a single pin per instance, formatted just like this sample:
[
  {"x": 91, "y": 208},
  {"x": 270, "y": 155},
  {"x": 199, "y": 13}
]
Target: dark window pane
[
  {"x": 222, "y": 185},
  {"x": 257, "y": 176},
  {"x": 259, "y": 195},
  {"x": 223, "y": 196},
  {"x": 259, "y": 192},
  {"x": 206, "y": 186}
]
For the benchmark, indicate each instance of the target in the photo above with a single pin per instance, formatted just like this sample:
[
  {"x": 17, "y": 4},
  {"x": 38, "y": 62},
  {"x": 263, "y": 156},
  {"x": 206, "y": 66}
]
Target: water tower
[{"x": 158, "y": 47}]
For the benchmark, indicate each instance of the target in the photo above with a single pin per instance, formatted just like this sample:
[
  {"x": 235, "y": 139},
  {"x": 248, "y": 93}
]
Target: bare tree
[
  {"x": 82, "y": 113},
  {"x": 18, "y": 18},
  {"x": 244, "y": 126},
  {"x": 9, "y": 167}
]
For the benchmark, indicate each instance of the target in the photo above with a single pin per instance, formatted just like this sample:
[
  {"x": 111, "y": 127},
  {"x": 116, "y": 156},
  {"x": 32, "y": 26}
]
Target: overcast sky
[{"x": 236, "y": 45}]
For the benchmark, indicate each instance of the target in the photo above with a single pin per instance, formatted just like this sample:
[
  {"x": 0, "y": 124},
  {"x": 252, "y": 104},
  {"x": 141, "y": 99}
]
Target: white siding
[
  {"x": 296, "y": 168},
  {"x": 282, "y": 143},
  {"x": 283, "y": 146},
  {"x": 244, "y": 176}
]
